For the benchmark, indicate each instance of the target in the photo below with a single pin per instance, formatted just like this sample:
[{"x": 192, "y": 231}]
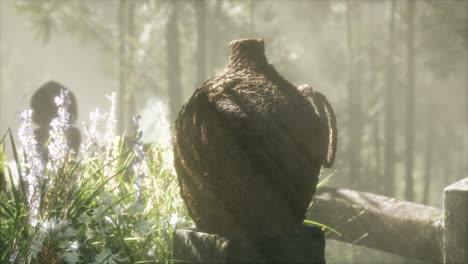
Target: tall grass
[{"x": 117, "y": 201}]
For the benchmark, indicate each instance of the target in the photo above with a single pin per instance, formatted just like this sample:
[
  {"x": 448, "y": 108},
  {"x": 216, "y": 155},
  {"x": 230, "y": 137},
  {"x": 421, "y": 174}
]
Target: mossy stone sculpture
[
  {"x": 249, "y": 146},
  {"x": 45, "y": 110}
]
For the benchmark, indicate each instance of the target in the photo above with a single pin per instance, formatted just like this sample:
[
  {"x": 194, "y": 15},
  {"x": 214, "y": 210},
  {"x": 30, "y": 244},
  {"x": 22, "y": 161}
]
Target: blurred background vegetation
[{"x": 396, "y": 72}]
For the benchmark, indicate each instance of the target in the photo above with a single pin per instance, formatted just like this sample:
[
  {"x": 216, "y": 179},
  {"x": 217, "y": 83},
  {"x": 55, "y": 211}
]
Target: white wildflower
[
  {"x": 32, "y": 164},
  {"x": 175, "y": 219},
  {"x": 74, "y": 245},
  {"x": 152, "y": 251},
  {"x": 109, "y": 138},
  {"x": 59, "y": 146},
  {"x": 14, "y": 255}
]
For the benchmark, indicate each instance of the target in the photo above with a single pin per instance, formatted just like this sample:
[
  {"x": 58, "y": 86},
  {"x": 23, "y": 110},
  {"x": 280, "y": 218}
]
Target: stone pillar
[{"x": 456, "y": 222}]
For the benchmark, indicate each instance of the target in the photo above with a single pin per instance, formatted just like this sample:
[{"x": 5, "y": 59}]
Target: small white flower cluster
[
  {"x": 175, "y": 219},
  {"x": 14, "y": 255},
  {"x": 59, "y": 146},
  {"x": 32, "y": 163},
  {"x": 146, "y": 220}
]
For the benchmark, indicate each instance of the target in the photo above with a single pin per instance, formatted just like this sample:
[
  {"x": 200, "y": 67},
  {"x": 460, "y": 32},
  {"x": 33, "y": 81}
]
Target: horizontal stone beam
[{"x": 380, "y": 222}]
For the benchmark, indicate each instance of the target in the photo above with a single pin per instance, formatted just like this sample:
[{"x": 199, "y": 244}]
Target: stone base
[{"x": 304, "y": 246}]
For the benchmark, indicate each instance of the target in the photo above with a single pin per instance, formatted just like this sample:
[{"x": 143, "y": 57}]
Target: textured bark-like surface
[
  {"x": 193, "y": 246},
  {"x": 380, "y": 222},
  {"x": 456, "y": 222},
  {"x": 248, "y": 148},
  {"x": 307, "y": 245}
]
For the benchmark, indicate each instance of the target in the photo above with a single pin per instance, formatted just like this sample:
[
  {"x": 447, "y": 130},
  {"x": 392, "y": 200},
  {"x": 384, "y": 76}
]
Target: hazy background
[{"x": 395, "y": 71}]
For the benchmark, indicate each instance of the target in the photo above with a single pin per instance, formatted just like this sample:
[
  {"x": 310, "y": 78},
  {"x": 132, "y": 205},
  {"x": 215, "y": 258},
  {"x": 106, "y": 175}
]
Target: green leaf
[{"x": 310, "y": 222}]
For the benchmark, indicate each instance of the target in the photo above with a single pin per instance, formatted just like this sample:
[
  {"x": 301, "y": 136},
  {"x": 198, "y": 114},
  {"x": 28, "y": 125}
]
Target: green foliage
[
  {"x": 91, "y": 209},
  {"x": 443, "y": 35},
  {"x": 325, "y": 227},
  {"x": 53, "y": 16}
]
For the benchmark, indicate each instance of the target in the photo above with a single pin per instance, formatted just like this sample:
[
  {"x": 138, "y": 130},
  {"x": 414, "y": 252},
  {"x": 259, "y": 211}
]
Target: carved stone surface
[{"x": 248, "y": 148}]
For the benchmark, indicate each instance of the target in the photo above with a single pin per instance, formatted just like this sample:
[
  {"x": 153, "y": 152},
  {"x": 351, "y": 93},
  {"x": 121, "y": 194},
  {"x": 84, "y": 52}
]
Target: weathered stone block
[
  {"x": 456, "y": 222},
  {"x": 306, "y": 245}
]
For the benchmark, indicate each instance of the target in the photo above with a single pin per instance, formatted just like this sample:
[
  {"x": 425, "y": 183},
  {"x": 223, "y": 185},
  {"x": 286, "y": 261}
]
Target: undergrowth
[{"x": 116, "y": 201}]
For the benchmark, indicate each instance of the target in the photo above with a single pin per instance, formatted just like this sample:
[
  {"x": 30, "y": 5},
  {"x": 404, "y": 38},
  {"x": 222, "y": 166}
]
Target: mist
[{"x": 396, "y": 73}]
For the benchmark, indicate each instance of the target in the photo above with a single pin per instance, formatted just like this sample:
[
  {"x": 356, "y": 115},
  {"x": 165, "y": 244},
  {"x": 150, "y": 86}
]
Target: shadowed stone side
[
  {"x": 307, "y": 245},
  {"x": 193, "y": 246}
]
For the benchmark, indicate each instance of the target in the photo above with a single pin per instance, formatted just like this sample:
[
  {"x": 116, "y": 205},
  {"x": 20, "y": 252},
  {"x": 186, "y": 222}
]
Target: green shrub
[{"x": 117, "y": 201}]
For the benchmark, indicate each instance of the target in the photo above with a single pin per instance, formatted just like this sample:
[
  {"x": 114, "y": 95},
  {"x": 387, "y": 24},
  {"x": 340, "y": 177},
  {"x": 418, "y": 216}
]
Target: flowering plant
[{"x": 116, "y": 201}]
